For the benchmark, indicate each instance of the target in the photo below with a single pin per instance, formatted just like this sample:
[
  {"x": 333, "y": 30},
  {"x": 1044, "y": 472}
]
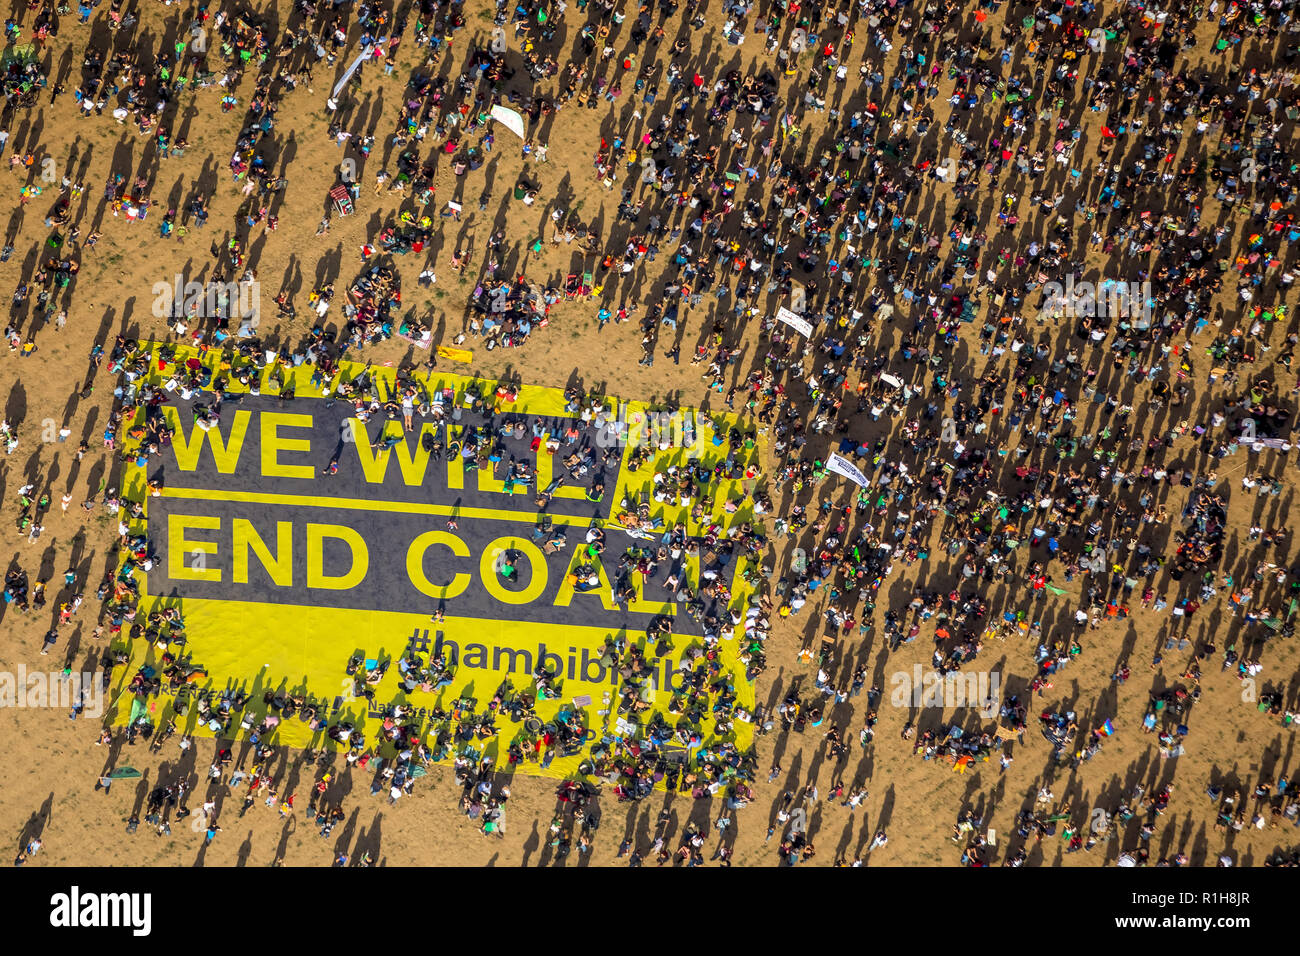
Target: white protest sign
[
  {"x": 365, "y": 54},
  {"x": 842, "y": 466},
  {"x": 789, "y": 318},
  {"x": 510, "y": 119}
]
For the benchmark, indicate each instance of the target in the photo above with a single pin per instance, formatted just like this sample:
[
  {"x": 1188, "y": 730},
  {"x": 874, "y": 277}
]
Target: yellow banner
[
  {"x": 455, "y": 354},
  {"x": 315, "y": 598}
]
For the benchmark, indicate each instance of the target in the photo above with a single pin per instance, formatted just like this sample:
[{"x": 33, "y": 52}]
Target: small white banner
[
  {"x": 842, "y": 466},
  {"x": 365, "y": 54},
  {"x": 510, "y": 119},
  {"x": 789, "y": 318}
]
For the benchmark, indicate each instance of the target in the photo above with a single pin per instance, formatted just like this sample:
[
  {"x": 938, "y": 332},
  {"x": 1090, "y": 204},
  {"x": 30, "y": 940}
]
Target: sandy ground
[{"x": 51, "y": 763}]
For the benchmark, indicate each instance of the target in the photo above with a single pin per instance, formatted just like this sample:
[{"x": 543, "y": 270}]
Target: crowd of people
[{"x": 997, "y": 293}]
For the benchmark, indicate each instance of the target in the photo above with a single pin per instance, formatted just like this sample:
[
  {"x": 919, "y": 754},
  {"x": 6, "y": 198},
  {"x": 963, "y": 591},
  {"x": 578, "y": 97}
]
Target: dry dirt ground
[{"x": 51, "y": 763}]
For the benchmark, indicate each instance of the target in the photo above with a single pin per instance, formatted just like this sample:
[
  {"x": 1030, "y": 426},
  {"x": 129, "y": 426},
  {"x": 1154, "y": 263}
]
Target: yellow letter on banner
[
  {"x": 316, "y": 576},
  {"x": 180, "y": 566},
  {"x": 186, "y": 448},
  {"x": 374, "y": 463},
  {"x": 488, "y": 482},
  {"x": 279, "y": 566},
  {"x": 415, "y": 564},
  {"x": 488, "y": 572},
  {"x": 273, "y": 444},
  {"x": 546, "y": 473},
  {"x": 415, "y": 463},
  {"x": 605, "y": 592},
  {"x": 639, "y": 605},
  {"x": 455, "y": 464}
]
